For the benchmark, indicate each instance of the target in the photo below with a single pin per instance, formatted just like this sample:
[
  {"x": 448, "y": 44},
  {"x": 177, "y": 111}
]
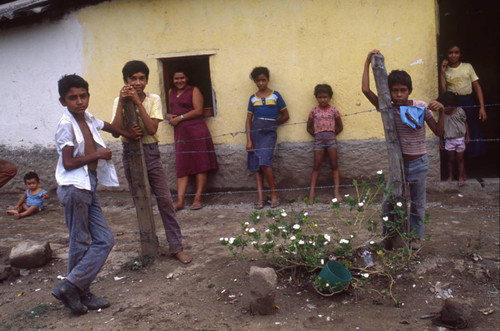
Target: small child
[
  {"x": 31, "y": 201},
  {"x": 266, "y": 110},
  {"x": 324, "y": 124},
  {"x": 83, "y": 160},
  {"x": 456, "y": 135},
  {"x": 411, "y": 139}
]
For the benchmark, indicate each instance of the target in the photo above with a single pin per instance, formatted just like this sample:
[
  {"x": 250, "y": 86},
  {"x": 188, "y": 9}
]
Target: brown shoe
[{"x": 416, "y": 244}]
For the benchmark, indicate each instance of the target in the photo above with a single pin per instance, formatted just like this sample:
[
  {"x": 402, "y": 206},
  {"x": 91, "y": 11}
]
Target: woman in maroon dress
[{"x": 194, "y": 149}]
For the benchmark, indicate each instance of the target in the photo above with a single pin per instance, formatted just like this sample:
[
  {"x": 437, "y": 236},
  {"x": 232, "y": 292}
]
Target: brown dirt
[{"x": 211, "y": 293}]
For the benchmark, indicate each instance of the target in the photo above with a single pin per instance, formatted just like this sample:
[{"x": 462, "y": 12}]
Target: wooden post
[
  {"x": 396, "y": 163},
  {"x": 140, "y": 187}
]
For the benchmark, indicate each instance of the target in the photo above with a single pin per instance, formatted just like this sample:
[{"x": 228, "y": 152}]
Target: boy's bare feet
[
  {"x": 183, "y": 257},
  {"x": 338, "y": 196},
  {"x": 18, "y": 216},
  {"x": 461, "y": 182},
  {"x": 178, "y": 207},
  {"x": 12, "y": 212}
]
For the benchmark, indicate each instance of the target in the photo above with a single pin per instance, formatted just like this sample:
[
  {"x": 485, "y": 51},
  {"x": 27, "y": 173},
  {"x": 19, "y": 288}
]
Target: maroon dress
[{"x": 194, "y": 149}]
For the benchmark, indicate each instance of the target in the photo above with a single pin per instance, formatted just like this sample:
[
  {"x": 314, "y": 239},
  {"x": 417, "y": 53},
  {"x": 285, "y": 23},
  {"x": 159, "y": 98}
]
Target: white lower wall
[{"x": 32, "y": 60}]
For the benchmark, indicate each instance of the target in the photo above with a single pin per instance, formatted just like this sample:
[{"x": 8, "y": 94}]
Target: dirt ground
[{"x": 211, "y": 293}]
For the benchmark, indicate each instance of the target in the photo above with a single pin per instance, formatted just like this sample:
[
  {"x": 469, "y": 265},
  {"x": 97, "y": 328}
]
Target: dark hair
[
  {"x": 448, "y": 99},
  {"x": 323, "y": 88},
  {"x": 31, "y": 175},
  {"x": 66, "y": 82},
  {"x": 133, "y": 67},
  {"x": 400, "y": 77},
  {"x": 449, "y": 46},
  {"x": 180, "y": 67},
  {"x": 257, "y": 71}
]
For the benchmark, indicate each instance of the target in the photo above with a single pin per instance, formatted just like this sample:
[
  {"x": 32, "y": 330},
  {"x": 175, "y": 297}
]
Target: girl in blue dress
[
  {"x": 31, "y": 201},
  {"x": 266, "y": 110}
]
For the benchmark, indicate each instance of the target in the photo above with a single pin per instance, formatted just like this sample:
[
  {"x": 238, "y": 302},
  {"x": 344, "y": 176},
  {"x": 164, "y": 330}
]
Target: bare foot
[
  {"x": 183, "y": 257},
  {"x": 311, "y": 200},
  {"x": 12, "y": 212},
  {"x": 461, "y": 182},
  {"x": 18, "y": 216},
  {"x": 178, "y": 207},
  {"x": 338, "y": 197}
]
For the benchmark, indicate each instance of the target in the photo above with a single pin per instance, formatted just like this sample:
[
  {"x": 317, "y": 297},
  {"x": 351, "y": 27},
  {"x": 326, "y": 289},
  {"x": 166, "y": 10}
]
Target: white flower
[
  {"x": 254, "y": 243},
  {"x": 246, "y": 223},
  {"x": 221, "y": 239},
  {"x": 301, "y": 242},
  {"x": 343, "y": 241},
  {"x": 346, "y": 195},
  {"x": 334, "y": 200},
  {"x": 252, "y": 230},
  {"x": 258, "y": 217},
  {"x": 296, "y": 226},
  {"x": 282, "y": 210},
  {"x": 380, "y": 172},
  {"x": 306, "y": 213},
  {"x": 231, "y": 240},
  {"x": 399, "y": 204},
  {"x": 325, "y": 243},
  {"x": 267, "y": 230},
  {"x": 283, "y": 214},
  {"x": 385, "y": 218},
  {"x": 327, "y": 237},
  {"x": 280, "y": 227},
  {"x": 366, "y": 275},
  {"x": 284, "y": 230},
  {"x": 322, "y": 261},
  {"x": 372, "y": 242},
  {"x": 246, "y": 230},
  {"x": 361, "y": 204},
  {"x": 327, "y": 284},
  {"x": 292, "y": 238}
]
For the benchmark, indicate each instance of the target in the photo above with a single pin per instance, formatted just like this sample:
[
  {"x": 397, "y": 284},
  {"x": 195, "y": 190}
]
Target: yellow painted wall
[{"x": 302, "y": 42}]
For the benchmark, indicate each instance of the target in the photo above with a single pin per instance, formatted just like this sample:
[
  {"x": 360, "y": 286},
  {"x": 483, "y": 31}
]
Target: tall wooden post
[
  {"x": 396, "y": 162},
  {"x": 140, "y": 187}
]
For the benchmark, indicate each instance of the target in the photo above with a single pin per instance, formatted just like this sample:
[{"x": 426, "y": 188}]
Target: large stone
[
  {"x": 263, "y": 283},
  {"x": 455, "y": 314},
  {"x": 30, "y": 254}
]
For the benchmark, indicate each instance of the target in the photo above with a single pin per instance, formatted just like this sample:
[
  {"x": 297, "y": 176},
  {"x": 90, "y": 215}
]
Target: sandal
[
  {"x": 275, "y": 203},
  {"x": 258, "y": 204},
  {"x": 196, "y": 206}
]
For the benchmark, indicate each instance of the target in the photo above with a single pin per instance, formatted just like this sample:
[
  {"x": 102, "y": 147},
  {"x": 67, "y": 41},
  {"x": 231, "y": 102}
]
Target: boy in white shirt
[{"x": 83, "y": 160}]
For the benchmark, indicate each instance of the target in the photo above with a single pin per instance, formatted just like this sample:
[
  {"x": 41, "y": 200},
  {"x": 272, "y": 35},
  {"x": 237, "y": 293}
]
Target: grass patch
[{"x": 139, "y": 263}]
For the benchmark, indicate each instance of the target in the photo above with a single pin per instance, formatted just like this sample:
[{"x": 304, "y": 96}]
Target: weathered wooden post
[
  {"x": 140, "y": 187},
  {"x": 396, "y": 163}
]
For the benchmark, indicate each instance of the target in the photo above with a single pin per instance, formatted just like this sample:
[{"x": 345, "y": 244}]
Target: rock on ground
[
  {"x": 263, "y": 283},
  {"x": 30, "y": 254}
]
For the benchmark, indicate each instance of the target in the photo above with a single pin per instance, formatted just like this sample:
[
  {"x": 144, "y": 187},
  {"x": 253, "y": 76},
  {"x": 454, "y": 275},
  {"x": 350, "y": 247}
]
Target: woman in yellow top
[{"x": 460, "y": 78}]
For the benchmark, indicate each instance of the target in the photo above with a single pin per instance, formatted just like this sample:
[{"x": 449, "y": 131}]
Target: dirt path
[{"x": 211, "y": 293}]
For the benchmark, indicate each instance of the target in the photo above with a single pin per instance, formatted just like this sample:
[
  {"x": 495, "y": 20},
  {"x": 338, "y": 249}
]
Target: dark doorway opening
[
  {"x": 198, "y": 68},
  {"x": 475, "y": 26}
]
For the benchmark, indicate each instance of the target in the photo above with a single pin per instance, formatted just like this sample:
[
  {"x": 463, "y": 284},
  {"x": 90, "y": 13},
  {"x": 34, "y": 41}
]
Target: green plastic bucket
[{"x": 336, "y": 274}]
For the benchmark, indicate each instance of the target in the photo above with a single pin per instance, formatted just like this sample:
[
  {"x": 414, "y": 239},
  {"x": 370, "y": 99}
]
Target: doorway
[{"x": 475, "y": 26}]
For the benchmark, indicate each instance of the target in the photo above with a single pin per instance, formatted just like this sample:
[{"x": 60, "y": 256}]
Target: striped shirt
[{"x": 412, "y": 141}]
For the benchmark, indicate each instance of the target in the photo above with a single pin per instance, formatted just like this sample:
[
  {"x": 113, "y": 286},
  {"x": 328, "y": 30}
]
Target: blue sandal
[
  {"x": 258, "y": 204},
  {"x": 275, "y": 203}
]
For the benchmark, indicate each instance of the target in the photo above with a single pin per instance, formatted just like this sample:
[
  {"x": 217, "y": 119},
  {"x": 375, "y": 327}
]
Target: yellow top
[
  {"x": 459, "y": 80},
  {"x": 152, "y": 104}
]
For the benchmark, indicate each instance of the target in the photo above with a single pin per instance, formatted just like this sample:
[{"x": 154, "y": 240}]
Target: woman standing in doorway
[{"x": 194, "y": 149}]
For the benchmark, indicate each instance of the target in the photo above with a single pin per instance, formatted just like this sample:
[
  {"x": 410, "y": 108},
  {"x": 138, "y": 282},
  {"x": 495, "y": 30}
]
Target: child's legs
[
  {"x": 416, "y": 175},
  {"x": 76, "y": 204},
  {"x": 332, "y": 154},
  {"x": 318, "y": 160},
  {"x": 27, "y": 211},
  {"x": 268, "y": 174},
  {"x": 461, "y": 166},
  {"x": 182, "y": 183},
  {"x": 201, "y": 182},
  {"x": 102, "y": 242},
  {"x": 450, "y": 155},
  {"x": 259, "y": 178},
  {"x": 159, "y": 186}
]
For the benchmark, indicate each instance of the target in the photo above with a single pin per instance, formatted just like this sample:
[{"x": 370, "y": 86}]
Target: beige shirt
[
  {"x": 152, "y": 104},
  {"x": 459, "y": 80}
]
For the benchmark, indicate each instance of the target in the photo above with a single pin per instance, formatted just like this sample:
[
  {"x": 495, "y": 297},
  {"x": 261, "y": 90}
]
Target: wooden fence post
[
  {"x": 396, "y": 163},
  {"x": 140, "y": 187}
]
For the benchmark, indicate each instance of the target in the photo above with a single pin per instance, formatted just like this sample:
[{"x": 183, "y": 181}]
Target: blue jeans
[
  {"x": 416, "y": 177},
  {"x": 90, "y": 239}
]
